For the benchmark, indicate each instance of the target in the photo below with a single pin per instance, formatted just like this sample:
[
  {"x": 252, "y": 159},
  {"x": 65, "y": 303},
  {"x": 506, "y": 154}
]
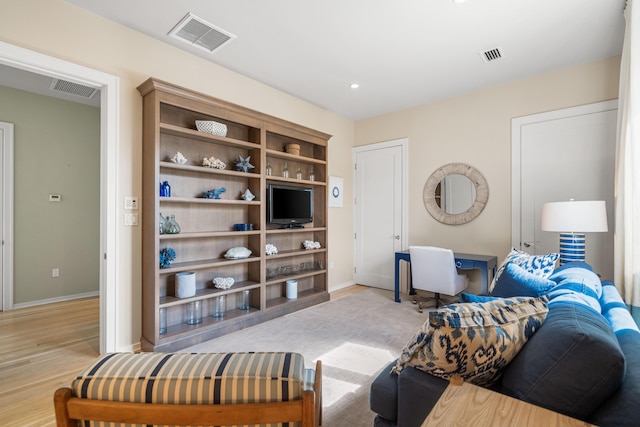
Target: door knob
[
  {"x": 397, "y": 237},
  {"x": 528, "y": 244}
]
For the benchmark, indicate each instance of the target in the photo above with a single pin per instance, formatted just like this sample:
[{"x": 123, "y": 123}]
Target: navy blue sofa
[{"x": 584, "y": 361}]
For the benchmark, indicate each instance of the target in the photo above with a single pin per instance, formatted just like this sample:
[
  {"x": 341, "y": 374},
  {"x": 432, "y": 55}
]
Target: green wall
[{"x": 56, "y": 151}]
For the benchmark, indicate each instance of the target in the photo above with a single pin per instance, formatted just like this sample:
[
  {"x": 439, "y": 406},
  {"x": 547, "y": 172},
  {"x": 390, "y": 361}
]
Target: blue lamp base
[{"x": 572, "y": 247}]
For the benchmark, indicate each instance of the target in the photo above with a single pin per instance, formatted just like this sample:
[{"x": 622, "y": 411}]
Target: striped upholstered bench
[{"x": 221, "y": 389}]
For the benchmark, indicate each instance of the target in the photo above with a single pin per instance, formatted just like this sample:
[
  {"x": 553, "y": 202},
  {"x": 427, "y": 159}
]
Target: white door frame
[
  {"x": 403, "y": 143},
  {"x": 7, "y": 217},
  {"x": 108, "y": 85},
  {"x": 516, "y": 142}
]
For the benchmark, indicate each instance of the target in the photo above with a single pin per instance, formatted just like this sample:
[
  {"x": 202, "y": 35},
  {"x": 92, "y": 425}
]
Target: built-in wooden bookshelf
[{"x": 207, "y": 225}]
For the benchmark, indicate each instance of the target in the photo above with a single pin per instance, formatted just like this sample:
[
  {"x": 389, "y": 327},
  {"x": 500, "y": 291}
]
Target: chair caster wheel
[{"x": 414, "y": 302}]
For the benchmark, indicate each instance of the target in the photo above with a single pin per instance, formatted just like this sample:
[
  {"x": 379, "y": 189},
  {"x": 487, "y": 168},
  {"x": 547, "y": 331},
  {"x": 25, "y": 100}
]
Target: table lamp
[{"x": 572, "y": 219}]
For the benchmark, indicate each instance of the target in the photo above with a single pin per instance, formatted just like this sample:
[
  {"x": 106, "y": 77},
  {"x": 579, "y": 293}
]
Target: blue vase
[{"x": 165, "y": 189}]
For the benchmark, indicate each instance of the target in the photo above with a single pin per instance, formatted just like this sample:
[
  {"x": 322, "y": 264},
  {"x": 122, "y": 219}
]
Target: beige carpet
[{"x": 354, "y": 337}]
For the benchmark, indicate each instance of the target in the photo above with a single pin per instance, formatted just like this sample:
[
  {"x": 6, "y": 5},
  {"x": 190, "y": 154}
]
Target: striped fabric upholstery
[
  {"x": 201, "y": 378},
  {"x": 615, "y": 310}
]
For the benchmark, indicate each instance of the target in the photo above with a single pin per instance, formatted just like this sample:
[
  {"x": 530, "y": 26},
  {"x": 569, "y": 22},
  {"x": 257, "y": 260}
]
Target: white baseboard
[
  {"x": 342, "y": 286},
  {"x": 56, "y": 299}
]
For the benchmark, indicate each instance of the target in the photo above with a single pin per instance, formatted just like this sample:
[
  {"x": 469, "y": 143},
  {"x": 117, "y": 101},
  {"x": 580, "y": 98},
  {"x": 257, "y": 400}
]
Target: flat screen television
[{"x": 289, "y": 206}]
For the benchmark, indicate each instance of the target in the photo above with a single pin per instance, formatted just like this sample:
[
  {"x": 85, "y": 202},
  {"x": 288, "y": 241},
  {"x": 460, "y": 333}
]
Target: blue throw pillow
[
  {"x": 465, "y": 297},
  {"x": 571, "y": 365},
  {"x": 540, "y": 265},
  {"x": 515, "y": 281}
]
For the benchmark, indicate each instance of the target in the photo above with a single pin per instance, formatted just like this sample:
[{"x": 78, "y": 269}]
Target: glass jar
[
  {"x": 269, "y": 170},
  {"x": 243, "y": 300},
  {"x": 171, "y": 226},
  {"x": 312, "y": 177},
  {"x": 162, "y": 321},
  {"x": 299, "y": 173},
  {"x": 285, "y": 171},
  {"x": 219, "y": 306},
  {"x": 193, "y": 313},
  {"x": 163, "y": 223}
]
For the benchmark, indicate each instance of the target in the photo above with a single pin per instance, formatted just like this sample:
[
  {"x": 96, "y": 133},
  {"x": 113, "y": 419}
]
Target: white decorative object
[
  {"x": 223, "y": 282},
  {"x": 292, "y": 289},
  {"x": 237, "y": 253},
  {"x": 179, "y": 158},
  {"x": 212, "y": 162},
  {"x": 248, "y": 195},
  {"x": 209, "y": 126},
  {"x": 310, "y": 244},
  {"x": 335, "y": 192},
  {"x": 270, "y": 249},
  {"x": 185, "y": 284}
]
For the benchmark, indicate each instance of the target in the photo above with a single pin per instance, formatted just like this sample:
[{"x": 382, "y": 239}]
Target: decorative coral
[
  {"x": 179, "y": 158},
  {"x": 243, "y": 164},
  {"x": 214, "y": 194},
  {"x": 310, "y": 244},
  {"x": 214, "y": 163},
  {"x": 270, "y": 249},
  {"x": 167, "y": 255},
  {"x": 223, "y": 282}
]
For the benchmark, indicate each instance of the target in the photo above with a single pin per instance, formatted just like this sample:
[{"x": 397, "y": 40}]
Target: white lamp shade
[{"x": 575, "y": 216}]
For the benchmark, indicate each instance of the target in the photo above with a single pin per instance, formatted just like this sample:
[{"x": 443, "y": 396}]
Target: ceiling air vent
[
  {"x": 71, "y": 88},
  {"x": 201, "y": 34},
  {"x": 491, "y": 54}
]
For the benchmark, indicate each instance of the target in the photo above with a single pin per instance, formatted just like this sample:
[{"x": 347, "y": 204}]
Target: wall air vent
[
  {"x": 71, "y": 88},
  {"x": 200, "y": 34},
  {"x": 491, "y": 54}
]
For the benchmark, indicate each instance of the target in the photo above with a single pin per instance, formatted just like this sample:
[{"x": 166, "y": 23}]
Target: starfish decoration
[{"x": 243, "y": 164}]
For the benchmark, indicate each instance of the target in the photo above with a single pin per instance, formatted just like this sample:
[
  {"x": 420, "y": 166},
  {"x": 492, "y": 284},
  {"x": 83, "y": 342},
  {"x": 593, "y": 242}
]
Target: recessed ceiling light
[
  {"x": 459, "y": 1},
  {"x": 354, "y": 85}
]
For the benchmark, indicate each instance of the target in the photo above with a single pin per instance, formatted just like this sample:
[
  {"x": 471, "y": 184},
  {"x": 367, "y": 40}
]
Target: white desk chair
[{"x": 434, "y": 269}]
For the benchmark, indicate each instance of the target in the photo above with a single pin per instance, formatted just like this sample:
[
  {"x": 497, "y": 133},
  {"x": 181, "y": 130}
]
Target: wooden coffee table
[{"x": 468, "y": 404}]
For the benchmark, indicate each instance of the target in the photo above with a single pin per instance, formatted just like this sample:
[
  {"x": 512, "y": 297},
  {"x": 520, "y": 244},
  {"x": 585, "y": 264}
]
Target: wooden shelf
[
  {"x": 202, "y": 294},
  {"x": 169, "y": 115},
  {"x": 206, "y": 170},
  {"x": 196, "y": 135}
]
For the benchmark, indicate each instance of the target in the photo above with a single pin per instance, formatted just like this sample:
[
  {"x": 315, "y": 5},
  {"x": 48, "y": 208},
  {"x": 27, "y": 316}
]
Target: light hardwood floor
[{"x": 42, "y": 348}]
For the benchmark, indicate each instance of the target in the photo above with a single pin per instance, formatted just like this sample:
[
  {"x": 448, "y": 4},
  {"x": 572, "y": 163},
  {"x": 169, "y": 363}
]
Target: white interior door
[
  {"x": 6, "y": 209},
  {"x": 379, "y": 211},
  {"x": 558, "y": 156}
]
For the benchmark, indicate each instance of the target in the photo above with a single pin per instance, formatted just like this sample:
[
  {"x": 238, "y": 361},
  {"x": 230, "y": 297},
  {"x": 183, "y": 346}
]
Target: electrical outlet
[
  {"x": 131, "y": 203},
  {"x": 131, "y": 219},
  {"x": 55, "y": 272}
]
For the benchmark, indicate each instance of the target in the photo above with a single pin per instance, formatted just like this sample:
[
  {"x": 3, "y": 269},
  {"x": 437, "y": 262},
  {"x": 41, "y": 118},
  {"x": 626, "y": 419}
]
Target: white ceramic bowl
[{"x": 209, "y": 126}]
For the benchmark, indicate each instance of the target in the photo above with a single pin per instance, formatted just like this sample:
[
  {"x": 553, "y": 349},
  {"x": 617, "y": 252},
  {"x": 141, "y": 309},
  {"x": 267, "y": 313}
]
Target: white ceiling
[{"x": 402, "y": 53}]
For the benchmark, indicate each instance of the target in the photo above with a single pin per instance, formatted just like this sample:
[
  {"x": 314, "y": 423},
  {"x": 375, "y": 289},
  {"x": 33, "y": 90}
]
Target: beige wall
[
  {"x": 66, "y": 32},
  {"x": 56, "y": 151},
  {"x": 476, "y": 129}
]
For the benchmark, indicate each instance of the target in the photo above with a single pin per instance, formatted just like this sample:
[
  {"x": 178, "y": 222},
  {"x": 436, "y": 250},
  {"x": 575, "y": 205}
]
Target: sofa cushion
[
  {"x": 571, "y": 365},
  {"x": 516, "y": 281},
  {"x": 621, "y": 408},
  {"x": 576, "y": 284},
  {"x": 540, "y": 265},
  {"x": 383, "y": 396},
  {"x": 474, "y": 341}
]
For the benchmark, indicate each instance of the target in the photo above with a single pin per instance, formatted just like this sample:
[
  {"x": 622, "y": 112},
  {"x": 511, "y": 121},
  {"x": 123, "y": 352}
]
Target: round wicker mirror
[{"x": 434, "y": 194}]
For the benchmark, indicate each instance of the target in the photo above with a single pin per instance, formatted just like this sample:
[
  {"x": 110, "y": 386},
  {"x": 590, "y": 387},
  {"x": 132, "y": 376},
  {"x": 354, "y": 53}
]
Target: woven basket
[
  {"x": 209, "y": 126},
  {"x": 293, "y": 149}
]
